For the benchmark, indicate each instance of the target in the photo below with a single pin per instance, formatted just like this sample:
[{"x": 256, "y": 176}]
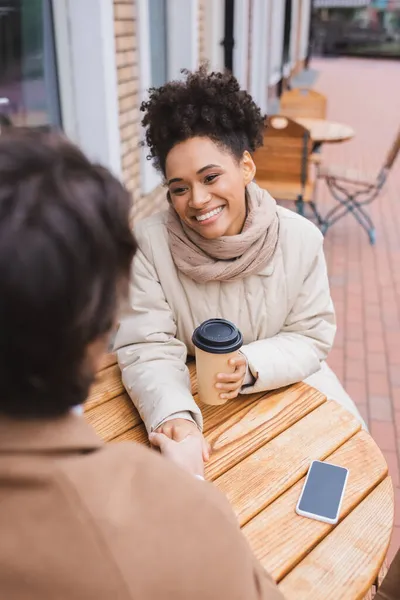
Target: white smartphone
[{"x": 322, "y": 494}]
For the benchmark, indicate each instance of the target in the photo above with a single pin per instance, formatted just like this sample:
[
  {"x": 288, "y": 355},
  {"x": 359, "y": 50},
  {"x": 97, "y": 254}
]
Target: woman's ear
[{"x": 248, "y": 167}]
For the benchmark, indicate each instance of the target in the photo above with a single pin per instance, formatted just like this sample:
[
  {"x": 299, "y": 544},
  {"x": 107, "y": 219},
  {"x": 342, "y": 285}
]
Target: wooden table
[
  {"x": 323, "y": 131},
  {"x": 262, "y": 448}
]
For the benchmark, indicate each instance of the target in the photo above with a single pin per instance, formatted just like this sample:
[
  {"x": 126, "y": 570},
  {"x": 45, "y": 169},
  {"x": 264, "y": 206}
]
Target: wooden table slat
[
  {"x": 137, "y": 434},
  {"x": 346, "y": 563},
  {"x": 262, "y": 477},
  {"x": 108, "y": 385},
  {"x": 297, "y": 401},
  {"x": 108, "y": 360},
  {"x": 113, "y": 417},
  {"x": 215, "y": 415},
  {"x": 193, "y": 379},
  {"x": 252, "y": 427},
  {"x": 137, "y": 431},
  {"x": 291, "y": 537}
]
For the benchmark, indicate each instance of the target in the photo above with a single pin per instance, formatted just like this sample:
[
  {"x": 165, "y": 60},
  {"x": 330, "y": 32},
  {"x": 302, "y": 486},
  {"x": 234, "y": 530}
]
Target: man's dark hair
[
  {"x": 66, "y": 248},
  {"x": 207, "y": 105}
]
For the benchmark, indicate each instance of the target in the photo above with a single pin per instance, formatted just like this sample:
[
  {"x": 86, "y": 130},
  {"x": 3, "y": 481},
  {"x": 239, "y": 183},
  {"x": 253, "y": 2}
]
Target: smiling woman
[
  {"x": 208, "y": 199},
  {"x": 223, "y": 249}
]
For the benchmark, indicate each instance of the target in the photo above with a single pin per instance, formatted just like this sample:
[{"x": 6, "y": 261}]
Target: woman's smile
[{"x": 209, "y": 217}]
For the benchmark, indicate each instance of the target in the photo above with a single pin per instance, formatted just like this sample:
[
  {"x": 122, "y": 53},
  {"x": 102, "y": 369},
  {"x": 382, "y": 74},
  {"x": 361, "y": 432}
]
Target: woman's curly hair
[{"x": 204, "y": 104}]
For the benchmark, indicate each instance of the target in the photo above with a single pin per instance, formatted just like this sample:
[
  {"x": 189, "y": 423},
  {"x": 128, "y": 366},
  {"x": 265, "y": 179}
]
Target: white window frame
[
  {"x": 276, "y": 48},
  {"x": 182, "y": 36},
  {"x": 214, "y": 33},
  {"x": 182, "y": 52},
  {"x": 293, "y": 35},
  {"x": 260, "y": 27},
  {"x": 241, "y": 37},
  {"x": 85, "y": 48},
  {"x": 305, "y": 28}
]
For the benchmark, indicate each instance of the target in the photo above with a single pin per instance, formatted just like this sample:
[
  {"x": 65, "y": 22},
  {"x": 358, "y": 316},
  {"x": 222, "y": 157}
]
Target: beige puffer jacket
[{"x": 285, "y": 314}]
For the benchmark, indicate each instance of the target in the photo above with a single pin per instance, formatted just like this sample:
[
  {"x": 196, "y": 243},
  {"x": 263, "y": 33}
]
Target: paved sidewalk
[{"x": 365, "y": 280}]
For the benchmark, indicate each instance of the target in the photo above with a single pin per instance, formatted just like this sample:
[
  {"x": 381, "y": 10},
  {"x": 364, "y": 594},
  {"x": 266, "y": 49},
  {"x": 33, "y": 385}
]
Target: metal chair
[
  {"x": 355, "y": 189},
  {"x": 283, "y": 163}
]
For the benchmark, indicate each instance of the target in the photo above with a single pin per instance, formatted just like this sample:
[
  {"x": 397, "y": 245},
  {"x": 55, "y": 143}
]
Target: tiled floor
[{"x": 365, "y": 280}]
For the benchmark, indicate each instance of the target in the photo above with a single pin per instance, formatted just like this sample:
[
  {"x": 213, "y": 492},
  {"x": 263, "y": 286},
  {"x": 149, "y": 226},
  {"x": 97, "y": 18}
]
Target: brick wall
[
  {"x": 127, "y": 69},
  {"x": 125, "y": 21}
]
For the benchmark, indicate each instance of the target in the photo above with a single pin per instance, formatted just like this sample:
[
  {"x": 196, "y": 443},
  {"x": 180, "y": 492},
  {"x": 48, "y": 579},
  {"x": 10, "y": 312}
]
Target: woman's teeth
[{"x": 210, "y": 214}]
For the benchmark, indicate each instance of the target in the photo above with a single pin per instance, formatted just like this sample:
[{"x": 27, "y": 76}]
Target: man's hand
[
  {"x": 179, "y": 429},
  {"x": 187, "y": 453},
  {"x": 231, "y": 384}
]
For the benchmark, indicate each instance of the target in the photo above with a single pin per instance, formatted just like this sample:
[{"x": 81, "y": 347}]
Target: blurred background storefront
[
  {"x": 28, "y": 80},
  {"x": 86, "y": 65},
  {"x": 369, "y": 28},
  {"x": 57, "y": 67}
]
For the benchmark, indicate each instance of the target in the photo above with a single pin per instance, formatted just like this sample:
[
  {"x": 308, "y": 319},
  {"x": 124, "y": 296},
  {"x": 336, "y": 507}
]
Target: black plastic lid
[{"x": 217, "y": 336}]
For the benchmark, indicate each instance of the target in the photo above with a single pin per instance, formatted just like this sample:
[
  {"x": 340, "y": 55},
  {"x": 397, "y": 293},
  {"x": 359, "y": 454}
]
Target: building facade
[{"x": 87, "y": 65}]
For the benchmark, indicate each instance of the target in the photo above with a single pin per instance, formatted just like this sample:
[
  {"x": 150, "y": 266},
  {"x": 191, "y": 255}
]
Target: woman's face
[{"x": 207, "y": 186}]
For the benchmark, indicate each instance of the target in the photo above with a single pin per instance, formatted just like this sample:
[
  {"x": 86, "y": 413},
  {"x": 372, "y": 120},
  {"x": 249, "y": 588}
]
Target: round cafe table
[
  {"x": 262, "y": 446},
  {"x": 328, "y": 132}
]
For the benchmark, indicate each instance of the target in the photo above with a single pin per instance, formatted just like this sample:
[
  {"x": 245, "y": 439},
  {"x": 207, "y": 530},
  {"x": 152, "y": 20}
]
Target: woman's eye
[
  {"x": 178, "y": 191},
  {"x": 210, "y": 178}
]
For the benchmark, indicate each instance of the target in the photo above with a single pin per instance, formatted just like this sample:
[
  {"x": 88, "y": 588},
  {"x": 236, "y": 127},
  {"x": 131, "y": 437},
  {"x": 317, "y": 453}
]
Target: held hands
[
  {"x": 181, "y": 441},
  {"x": 230, "y": 384},
  {"x": 179, "y": 429},
  {"x": 187, "y": 453}
]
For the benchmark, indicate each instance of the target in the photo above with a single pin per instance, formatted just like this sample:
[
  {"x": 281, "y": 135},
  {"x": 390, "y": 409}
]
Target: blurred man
[
  {"x": 390, "y": 588},
  {"x": 80, "y": 520}
]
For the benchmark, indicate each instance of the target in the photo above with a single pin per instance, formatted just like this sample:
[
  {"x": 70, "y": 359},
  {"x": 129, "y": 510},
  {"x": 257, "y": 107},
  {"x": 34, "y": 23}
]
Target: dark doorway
[
  {"x": 229, "y": 41},
  {"x": 286, "y": 31},
  {"x": 286, "y": 40}
]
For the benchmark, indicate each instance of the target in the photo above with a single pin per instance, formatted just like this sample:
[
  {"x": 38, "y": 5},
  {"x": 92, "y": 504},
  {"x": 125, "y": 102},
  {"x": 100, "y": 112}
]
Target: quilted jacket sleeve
[
  {"x": 152, "y": 360},
  {"x": 306, "y": 338}
]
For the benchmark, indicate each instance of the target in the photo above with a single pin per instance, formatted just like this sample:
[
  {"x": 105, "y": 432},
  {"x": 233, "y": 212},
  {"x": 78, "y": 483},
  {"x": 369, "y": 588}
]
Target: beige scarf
[{"x": 230, "y": 257}]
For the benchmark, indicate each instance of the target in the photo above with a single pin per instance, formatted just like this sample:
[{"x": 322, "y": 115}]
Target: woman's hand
[
  {"x": 231, "y": 384},
  {"x": 187, "y": 453},
  {"x": 179, "y": 429}
]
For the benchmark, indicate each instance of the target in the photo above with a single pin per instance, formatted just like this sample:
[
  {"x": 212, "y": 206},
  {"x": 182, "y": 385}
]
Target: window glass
[{"x": 28, "y": 81}]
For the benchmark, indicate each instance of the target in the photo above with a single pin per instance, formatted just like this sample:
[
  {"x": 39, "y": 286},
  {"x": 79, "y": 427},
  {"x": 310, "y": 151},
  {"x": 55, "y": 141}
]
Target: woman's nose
[{"x": 199, "y": 198}]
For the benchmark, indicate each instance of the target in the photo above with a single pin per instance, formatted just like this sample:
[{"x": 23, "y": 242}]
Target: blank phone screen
[{"x": 323, "y": 490}]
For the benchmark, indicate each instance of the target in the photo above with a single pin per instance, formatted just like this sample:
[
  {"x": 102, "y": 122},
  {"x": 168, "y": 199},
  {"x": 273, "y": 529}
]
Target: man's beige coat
[{"x": 81, "y": 520}]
